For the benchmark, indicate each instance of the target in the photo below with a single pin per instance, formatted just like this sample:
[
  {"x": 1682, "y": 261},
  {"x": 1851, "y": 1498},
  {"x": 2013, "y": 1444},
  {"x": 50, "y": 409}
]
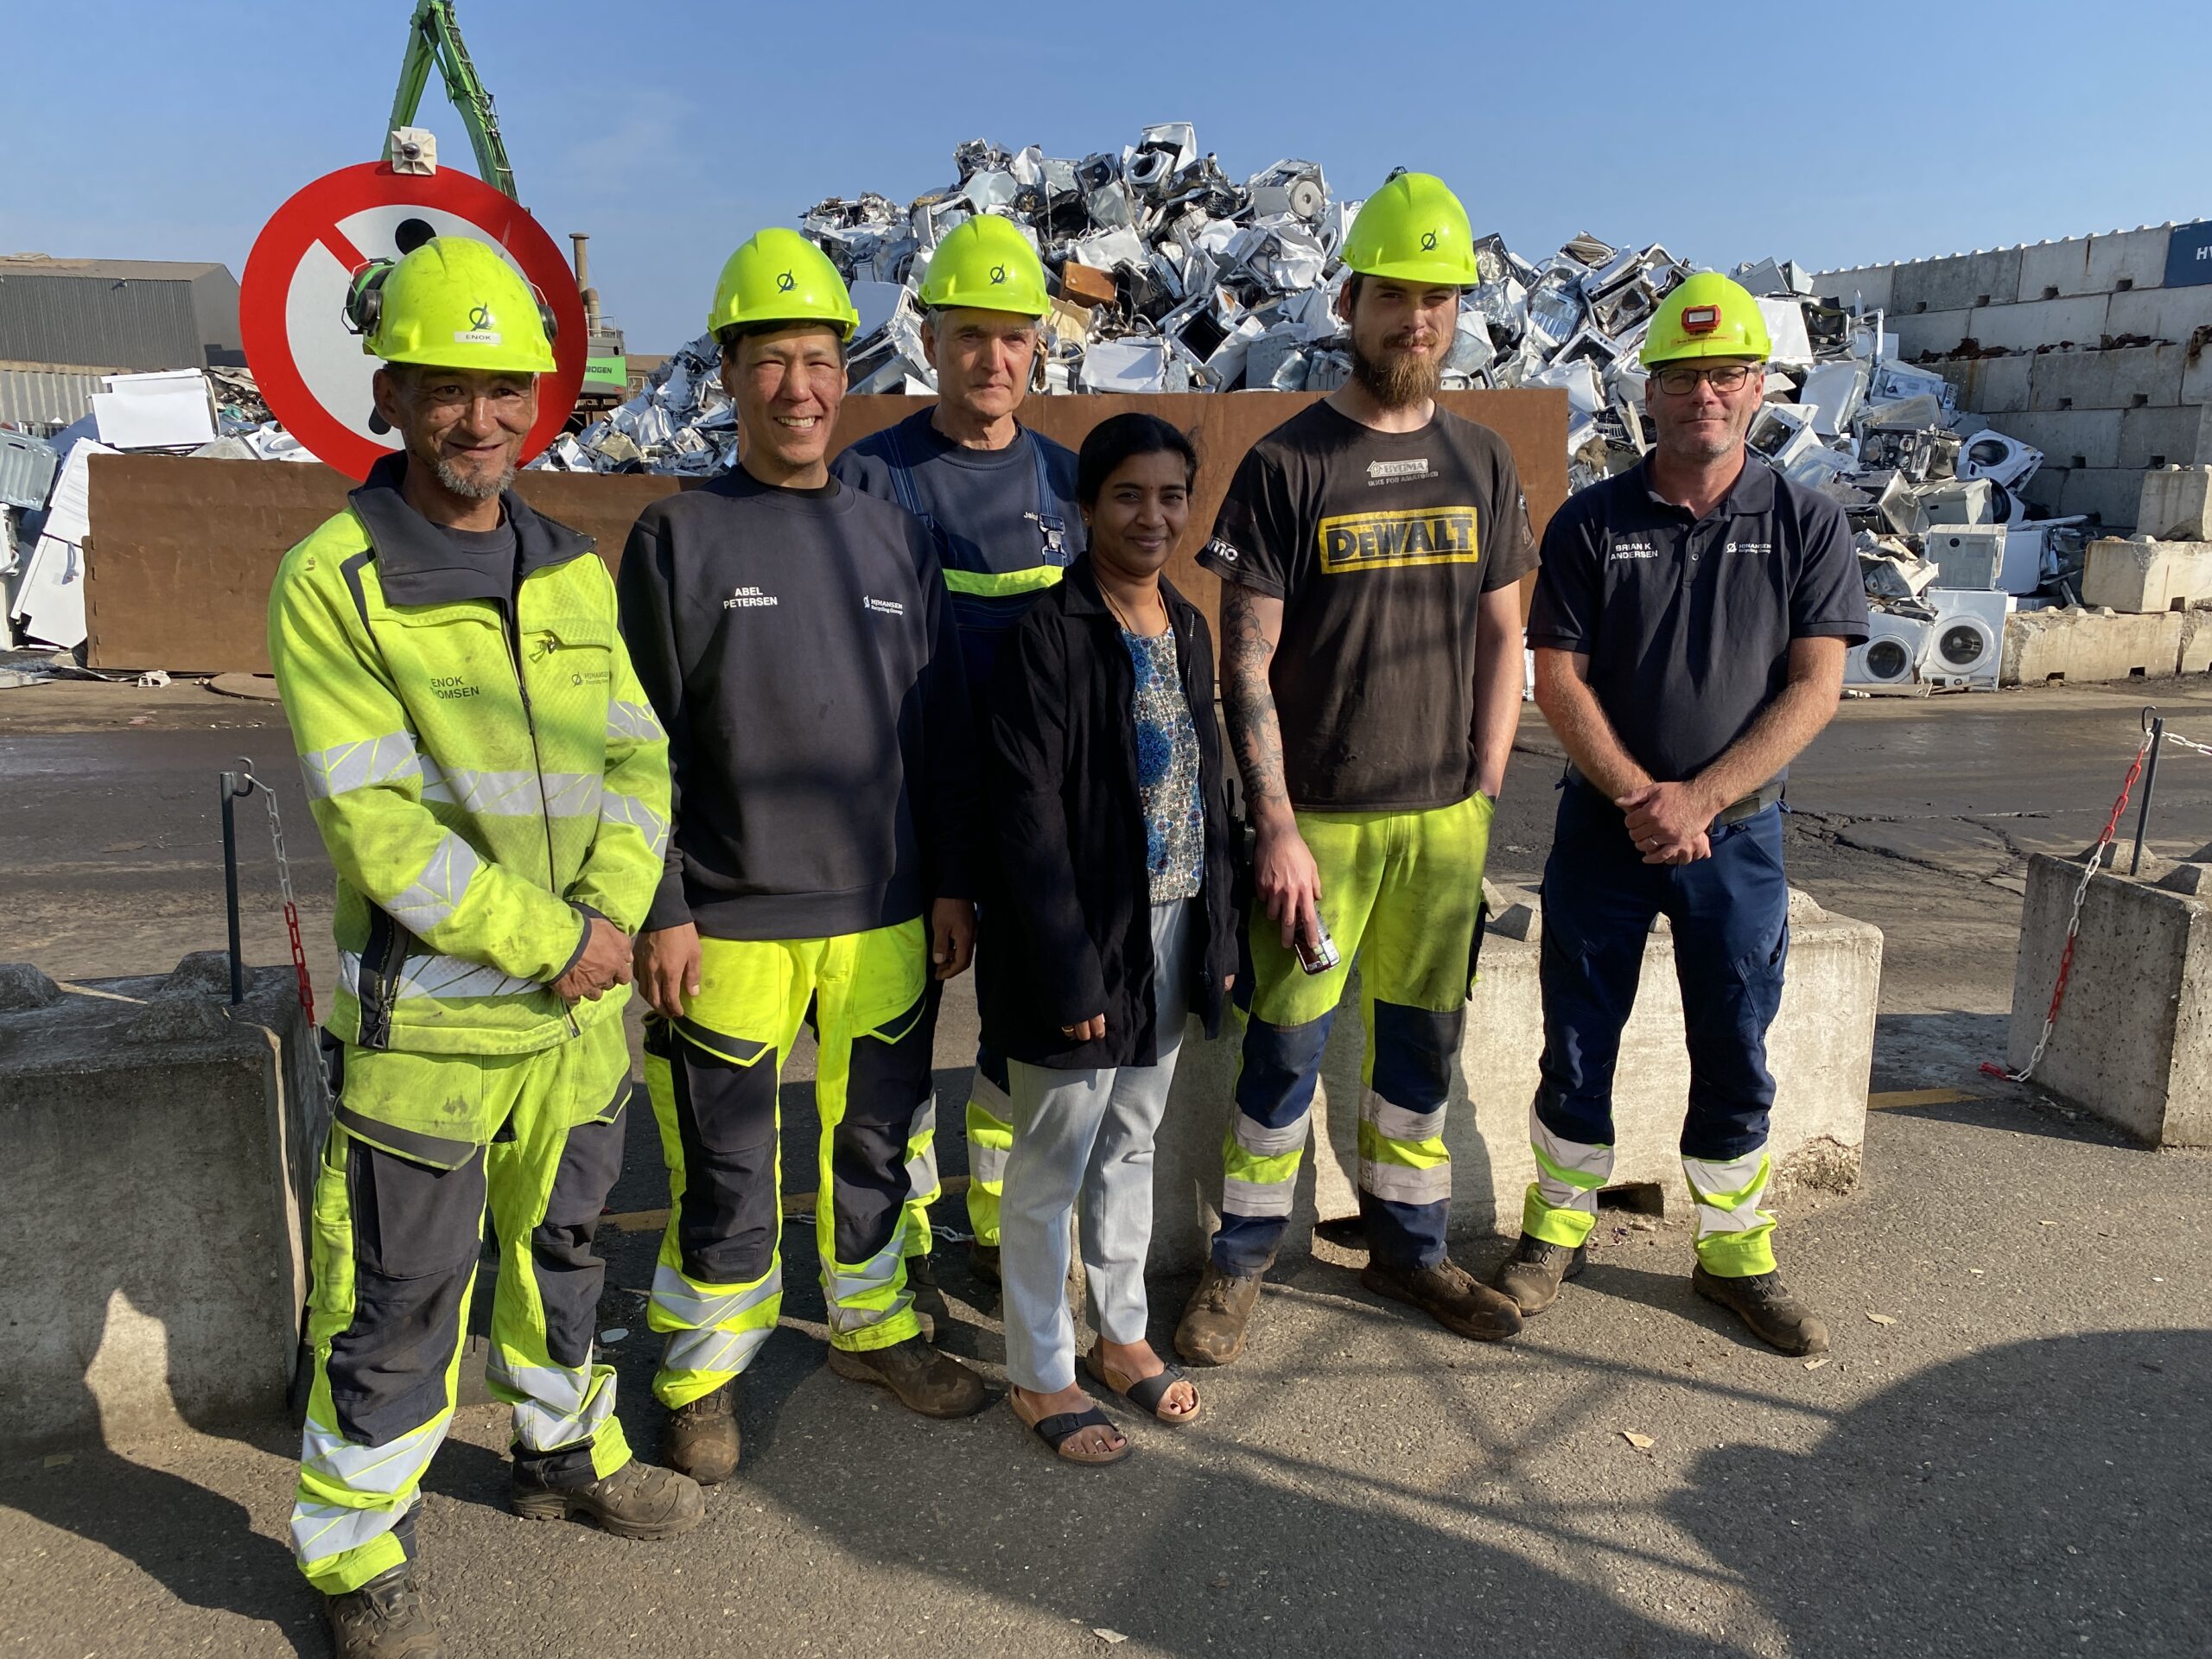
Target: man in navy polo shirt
[{"x": 1690, "y": 624}]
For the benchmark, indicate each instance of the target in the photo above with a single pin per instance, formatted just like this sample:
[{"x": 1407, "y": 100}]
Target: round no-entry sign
[{"x": 310, "y": 367}]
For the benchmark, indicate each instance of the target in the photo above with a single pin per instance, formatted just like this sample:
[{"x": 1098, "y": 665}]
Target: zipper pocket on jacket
[
  {"x": 383, "y": 954},
  {"x": 538, "y": 760}
]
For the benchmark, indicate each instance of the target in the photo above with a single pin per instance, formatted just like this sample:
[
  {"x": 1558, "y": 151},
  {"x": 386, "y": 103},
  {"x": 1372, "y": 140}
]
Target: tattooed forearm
[{"x": 1250, "y": 625}]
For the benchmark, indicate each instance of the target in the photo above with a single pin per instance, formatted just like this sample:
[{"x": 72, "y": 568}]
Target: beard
[
  {"x": 1401, "y": 377},
  {"x": 474, "y": 488},
  {"x": 1704, "y": 449},
  {"x": 1698, "y": 448}
]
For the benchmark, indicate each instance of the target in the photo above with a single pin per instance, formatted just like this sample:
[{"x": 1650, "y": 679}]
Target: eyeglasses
[{"x": 1728, "y": 377}]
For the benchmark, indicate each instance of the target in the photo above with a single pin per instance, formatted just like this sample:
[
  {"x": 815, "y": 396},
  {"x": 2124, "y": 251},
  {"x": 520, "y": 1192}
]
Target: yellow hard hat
[
  {"x": 1709, "y": 315},
  {"x": 452, "y": 304},
  {"x": 1414, "y": 230},
  {"x": 985, "y": 263},
  {"x": 778, "y": 276}
]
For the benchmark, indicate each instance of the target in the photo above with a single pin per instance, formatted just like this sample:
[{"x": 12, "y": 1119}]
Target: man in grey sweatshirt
[{"x": 794, "y": 638}]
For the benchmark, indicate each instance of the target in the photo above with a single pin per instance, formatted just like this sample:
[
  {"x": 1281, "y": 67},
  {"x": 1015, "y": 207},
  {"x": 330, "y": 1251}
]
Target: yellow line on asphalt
[{"x": 1892, "y": 1099}]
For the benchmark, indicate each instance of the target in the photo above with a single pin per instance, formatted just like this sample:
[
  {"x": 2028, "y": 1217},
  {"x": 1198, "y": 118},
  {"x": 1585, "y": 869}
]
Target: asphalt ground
[{"x": 2011, "y": 1459}]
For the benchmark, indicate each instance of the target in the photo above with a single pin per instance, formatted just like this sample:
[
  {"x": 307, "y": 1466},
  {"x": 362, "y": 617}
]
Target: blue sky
[{"x": 1835, "y": 135}]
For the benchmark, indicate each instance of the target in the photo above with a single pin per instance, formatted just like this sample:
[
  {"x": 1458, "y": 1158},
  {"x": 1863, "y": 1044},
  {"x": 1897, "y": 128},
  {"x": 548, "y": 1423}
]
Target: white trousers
[{"x": 1087, "y": 1134}]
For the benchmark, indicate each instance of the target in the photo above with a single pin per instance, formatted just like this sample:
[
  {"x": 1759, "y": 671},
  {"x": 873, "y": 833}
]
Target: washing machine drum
[
  {"x": 1888, "y": 659},
  {"x": 1962, "y": 645}
]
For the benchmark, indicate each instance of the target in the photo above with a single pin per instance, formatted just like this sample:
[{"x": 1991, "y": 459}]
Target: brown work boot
[
  {"x": 701, "y": 1439},
  {"x": 636, "y": 1500},
  {"x": 1764, "y": 1302},
  {"x": 1448, "y": 1294},
  {"x": 383, "y": 1620},
  {"x": 1217, "y": 1317},
  {"x": 1532, "y": 1274},
  {"x": 983, "y": 1261},
  {"x": 935, "y": 1385}
]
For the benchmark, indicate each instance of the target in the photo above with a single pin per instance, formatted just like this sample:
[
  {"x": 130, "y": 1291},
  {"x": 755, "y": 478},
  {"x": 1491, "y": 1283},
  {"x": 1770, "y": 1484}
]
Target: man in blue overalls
[
  {"x": 999, "y": 500},
  {"x": 1691, "y": 619}
]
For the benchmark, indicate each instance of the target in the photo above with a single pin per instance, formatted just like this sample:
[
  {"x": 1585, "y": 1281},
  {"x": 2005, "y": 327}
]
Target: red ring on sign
[{"x": 312, "y": 215}]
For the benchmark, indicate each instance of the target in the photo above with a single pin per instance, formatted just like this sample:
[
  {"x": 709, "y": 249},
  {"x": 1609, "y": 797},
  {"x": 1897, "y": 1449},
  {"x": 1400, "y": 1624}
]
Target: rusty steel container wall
[
  {"x": 1222, "y": 426},
  {"x": 182, "y": 552}
]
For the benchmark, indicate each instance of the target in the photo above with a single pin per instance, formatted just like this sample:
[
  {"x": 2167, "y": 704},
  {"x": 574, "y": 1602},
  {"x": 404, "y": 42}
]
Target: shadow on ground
[
  {"x": 2041, "y": 1496},
  {"x": 1900, "y": 1532},
  {"x": 198, "y": 1545},
  {"x": 1908, "y": 1528}
]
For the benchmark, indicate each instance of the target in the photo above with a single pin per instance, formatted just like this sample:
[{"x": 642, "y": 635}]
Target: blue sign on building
[{"x": 2189, "y": 254}]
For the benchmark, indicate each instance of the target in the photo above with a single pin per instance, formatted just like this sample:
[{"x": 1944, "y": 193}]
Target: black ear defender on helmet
[
  {"x": 365, "y": 301},
  {"x": 545, "y": 317},
  {"x": 364, "y": 295}
]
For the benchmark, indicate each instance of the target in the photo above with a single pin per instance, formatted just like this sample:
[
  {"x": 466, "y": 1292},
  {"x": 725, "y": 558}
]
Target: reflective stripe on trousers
[
  {"x": 1561, "y": 1206},
  {"x": 1275, "y": 1077},
  {"x": 1401, "y": 893},
  {"x": 989, "y": 1129},
  {"x": 1730, "y": 934},
  {"x": 1735, "y": 1238},
  {"x": 394, "y": 1248},
  {"x": 1734, "y": 1235},
  {"x": 717, "y": 1291},
  {"x": 990, "y": 1143},
  {"x": 923, "y": 1188},
  {"x": 724, "y": 1330}
]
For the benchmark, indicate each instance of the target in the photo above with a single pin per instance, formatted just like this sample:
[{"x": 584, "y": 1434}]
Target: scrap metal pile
[
  {"x": 1170, "y": 276},
  {"x": 1167, "y": 275}
]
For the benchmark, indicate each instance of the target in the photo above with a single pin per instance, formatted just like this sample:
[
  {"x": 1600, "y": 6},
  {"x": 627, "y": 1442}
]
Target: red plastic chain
[
  {"x": 300, "y": 959},
  {"x": 2096, "y": 862},
  {"x": 284, "y": 886}
]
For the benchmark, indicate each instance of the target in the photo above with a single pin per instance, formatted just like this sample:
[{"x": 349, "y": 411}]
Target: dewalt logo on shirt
[{"x": 1373, "y": 541}]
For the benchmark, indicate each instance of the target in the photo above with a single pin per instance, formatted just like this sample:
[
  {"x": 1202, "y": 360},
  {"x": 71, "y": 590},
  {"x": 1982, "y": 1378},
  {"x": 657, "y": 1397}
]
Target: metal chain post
[
  {"x": 2089, "y": 868},
  {"x": 284, "y": 885}
]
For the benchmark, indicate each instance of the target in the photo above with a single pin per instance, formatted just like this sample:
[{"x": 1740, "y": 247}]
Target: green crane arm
[{"x": 434, "y": 35}]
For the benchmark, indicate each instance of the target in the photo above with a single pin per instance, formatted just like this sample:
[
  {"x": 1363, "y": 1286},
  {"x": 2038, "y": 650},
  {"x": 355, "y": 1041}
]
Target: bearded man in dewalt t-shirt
[{"x": 1368, "y": 550}]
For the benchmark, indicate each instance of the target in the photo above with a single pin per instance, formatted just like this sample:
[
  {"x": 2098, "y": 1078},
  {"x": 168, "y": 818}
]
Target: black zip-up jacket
[
  {"x": 798, "y": 649},
  {"x": 1070, "y": 931}
]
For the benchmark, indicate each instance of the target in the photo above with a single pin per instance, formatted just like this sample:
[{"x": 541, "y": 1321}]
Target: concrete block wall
[
  {"x": 157, "y": 1155},
  {"x": 2096, "y": 362},
  {"x": 1820, "y": 1049},
  {"x": 2131, "y": 1036}
]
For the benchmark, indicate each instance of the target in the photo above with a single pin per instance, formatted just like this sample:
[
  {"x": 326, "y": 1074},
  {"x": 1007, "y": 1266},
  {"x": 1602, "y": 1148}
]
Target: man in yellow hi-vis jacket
[{"x": 494, "y": 789}]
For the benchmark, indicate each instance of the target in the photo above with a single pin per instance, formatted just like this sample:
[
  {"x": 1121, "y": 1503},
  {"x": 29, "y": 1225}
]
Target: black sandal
[
  {"x": 1148, "y": 1394},
  {"x": 1056, "y": 1431}
]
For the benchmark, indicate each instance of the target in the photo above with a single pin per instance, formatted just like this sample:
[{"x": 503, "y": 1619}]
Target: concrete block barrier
[
  {"x": 2131, "y": 1035},
  {"x": 2138, "y": 575},
  {"x": 2175, "y": 503},
  {"x": 157, "y": 1152},
  {"x": 1820, "y": 1049},
  {"x": 2076, "y": 645}
]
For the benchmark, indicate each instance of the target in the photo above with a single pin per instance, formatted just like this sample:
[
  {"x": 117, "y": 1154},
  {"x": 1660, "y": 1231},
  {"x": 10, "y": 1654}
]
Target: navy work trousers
[{"x": 1730, "y": 914}]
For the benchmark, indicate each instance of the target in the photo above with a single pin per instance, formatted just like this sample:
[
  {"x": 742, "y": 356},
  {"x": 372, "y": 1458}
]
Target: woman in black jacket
[{"x": 1115, "y": 924}]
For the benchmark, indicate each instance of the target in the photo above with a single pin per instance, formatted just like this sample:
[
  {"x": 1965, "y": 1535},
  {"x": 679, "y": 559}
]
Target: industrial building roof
[
  {"x": 126, "y": 270},
  {"x": 133, "y": 313}
]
